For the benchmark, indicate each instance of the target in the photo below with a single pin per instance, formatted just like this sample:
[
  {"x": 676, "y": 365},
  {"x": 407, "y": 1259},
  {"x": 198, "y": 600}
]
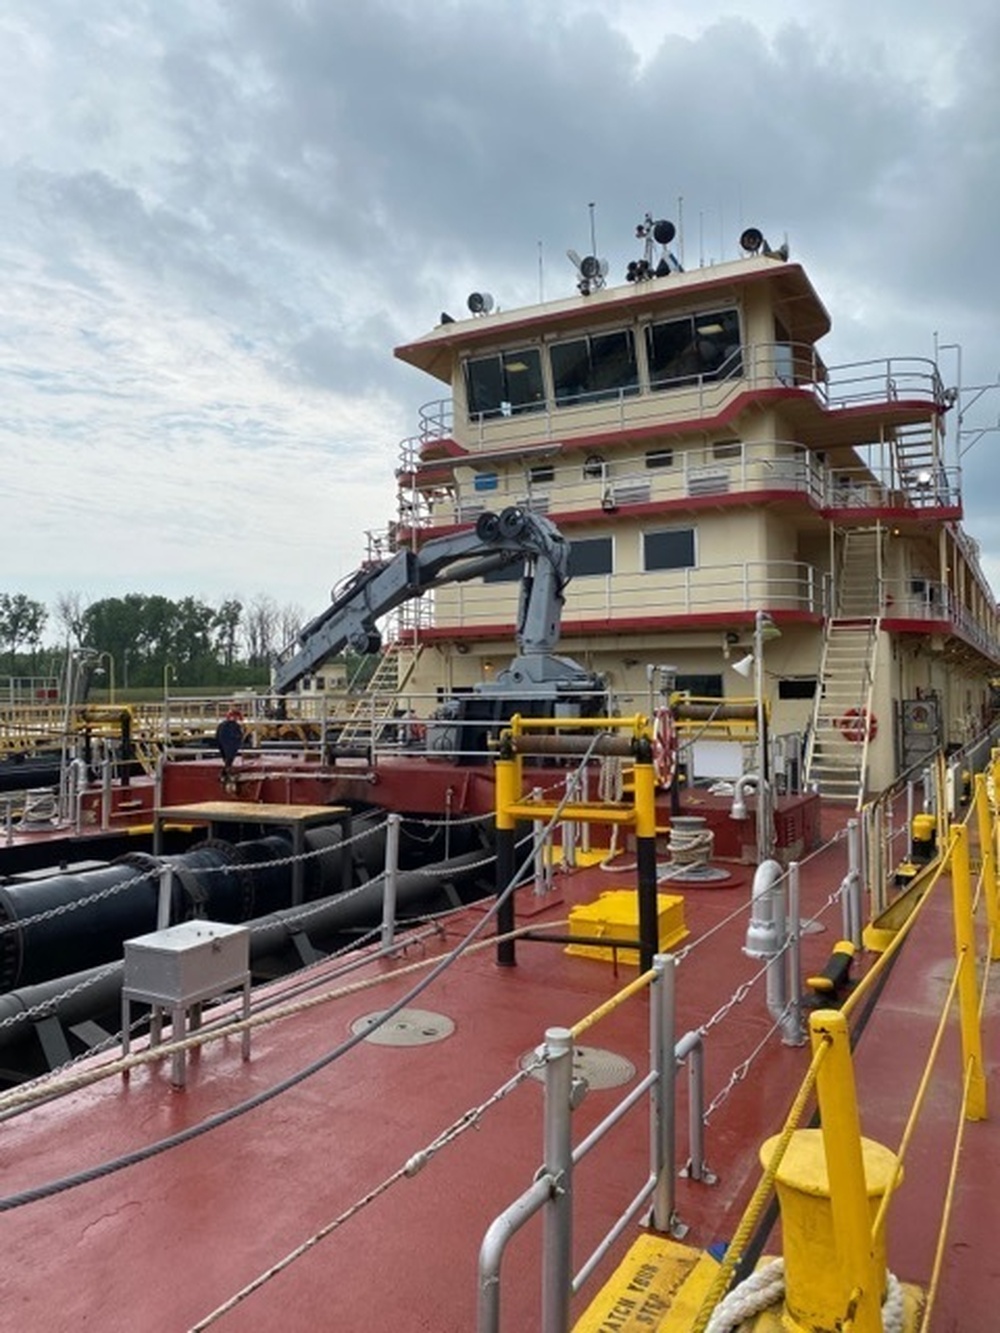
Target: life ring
[
  {"x": 857, "y": 725},
  {"x": 664, "y": 747}
]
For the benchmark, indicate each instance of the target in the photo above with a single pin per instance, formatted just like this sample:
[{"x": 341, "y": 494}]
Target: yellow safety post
[
  {"x": 965, "y": 952},
  {"x": 644, "y": 799},
  {"x": 507, "y": 777},
  {"x": 830, "y": 1184},
  {"x": 987, "y": 848}
]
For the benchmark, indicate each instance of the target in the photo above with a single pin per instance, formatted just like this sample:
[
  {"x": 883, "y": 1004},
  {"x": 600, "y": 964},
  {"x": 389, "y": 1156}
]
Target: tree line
[{"x": 141, "y": 638}]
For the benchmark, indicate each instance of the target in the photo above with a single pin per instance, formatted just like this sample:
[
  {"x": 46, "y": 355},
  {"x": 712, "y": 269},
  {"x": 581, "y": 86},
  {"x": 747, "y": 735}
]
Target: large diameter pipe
[
  {"x": 69, "y": 922},
  {"x": 81, "y": 995}
]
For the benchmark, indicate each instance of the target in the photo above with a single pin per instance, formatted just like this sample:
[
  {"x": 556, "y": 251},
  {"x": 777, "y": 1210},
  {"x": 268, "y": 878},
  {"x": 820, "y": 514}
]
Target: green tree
[
  {"x": 21, "y": 623},
  {"x": 227, "y": 627}
]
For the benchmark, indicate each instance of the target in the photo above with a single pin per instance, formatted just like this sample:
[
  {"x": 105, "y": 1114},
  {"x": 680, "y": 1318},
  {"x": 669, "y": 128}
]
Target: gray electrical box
[{"x": 186, "y": 962}]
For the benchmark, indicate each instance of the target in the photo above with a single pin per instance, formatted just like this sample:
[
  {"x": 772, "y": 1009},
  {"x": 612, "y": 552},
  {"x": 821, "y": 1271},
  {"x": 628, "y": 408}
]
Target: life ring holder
[
  {"x": 858, "y": 725},
  {"x": 664, "y": 748}
]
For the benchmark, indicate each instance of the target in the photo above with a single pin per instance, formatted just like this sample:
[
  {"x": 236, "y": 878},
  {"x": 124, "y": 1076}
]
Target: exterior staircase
[
  {"x": 377, "y": 705},
  {"x": 917, "y": 464},
  {"x": 842, "y": 723}
]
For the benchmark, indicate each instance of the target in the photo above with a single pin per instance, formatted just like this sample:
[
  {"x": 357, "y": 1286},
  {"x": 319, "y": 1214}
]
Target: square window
[{"x": 672, "y": 549}]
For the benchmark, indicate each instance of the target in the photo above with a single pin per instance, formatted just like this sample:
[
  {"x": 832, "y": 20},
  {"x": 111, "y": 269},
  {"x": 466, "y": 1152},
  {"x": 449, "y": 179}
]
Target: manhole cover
[
  {"x": 410, "y": 1027},
  {"x": 600, "y": 1069}
]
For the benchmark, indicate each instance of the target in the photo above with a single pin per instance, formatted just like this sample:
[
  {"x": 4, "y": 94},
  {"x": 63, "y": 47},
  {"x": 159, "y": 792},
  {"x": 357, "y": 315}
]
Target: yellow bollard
[
  {"x": 818, "y": 1288},
  {"x": 830, "y": 1185}
]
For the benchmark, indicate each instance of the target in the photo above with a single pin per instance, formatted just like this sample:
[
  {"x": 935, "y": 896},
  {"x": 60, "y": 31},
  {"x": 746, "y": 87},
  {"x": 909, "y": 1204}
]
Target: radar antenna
[{"x": 654, "y": 233}]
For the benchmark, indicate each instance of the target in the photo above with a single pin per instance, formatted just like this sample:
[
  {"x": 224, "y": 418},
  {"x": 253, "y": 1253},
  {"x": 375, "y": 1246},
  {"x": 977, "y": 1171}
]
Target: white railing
[
  {"x": 776, "y": 585},
  {"x": 613, "y": 484},
  {"x": 764, "y": 365}
]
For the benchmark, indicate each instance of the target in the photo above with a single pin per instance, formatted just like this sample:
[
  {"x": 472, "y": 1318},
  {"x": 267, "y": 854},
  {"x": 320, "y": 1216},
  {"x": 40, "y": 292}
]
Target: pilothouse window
[
  {"x": 594, "y": 369},
  {"x": 697, "y": 347},
  {"x": 505, "y": 384}
]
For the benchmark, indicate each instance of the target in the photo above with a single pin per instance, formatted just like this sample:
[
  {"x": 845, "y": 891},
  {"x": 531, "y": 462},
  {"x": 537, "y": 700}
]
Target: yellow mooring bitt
[{"x": 832, "y": 1185}]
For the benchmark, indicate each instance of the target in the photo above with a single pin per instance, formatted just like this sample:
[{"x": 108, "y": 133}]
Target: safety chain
[
  {"x": 455, "y": 822},
  {"x": 47, "y": 1007},
  {"x": 739, "y": 1073},
  {"x": 97, "y": 896},
  {"x": 738, "y": 996}
]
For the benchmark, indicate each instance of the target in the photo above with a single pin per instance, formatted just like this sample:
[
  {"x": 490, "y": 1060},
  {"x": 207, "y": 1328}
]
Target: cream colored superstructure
[{"x": 756, "y": 480}]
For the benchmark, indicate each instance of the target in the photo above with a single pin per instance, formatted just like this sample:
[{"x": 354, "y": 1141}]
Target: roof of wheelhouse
[{"x": 435, "y": 352}]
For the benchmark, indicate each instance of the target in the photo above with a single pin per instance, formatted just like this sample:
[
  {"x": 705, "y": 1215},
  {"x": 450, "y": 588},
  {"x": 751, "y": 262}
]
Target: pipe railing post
[
  {"x": 507, "y": 789},
  {"x": 663, "y": 1095},
  {"x": 166, "y": 890},
  {"x": 987, "y": 851},
  {"x": 794, "y": 1029},
  {"x": 569, "y": 829},
  {"x": 968, "y": 991},
  {"x": 645, "y": 854},
  {"x": 106, "y": 773},
  {"x": 851, "y": 905},
  {"x": 697, "y": 1166},
  {"x": 391, "y": 886},
  {"x": 557, "y": 1269},
  {"x": 543, "y": 851}
]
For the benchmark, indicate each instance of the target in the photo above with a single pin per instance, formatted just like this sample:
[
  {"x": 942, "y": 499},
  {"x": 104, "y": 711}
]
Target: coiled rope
[{"x": 766, "y": 1287}]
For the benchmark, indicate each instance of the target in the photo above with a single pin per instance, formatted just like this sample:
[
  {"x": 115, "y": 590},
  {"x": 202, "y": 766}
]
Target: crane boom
[{"x": 497, "y": 540}]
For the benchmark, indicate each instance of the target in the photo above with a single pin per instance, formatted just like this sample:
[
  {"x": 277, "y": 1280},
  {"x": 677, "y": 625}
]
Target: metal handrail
[{"x": 761, "y": 365}]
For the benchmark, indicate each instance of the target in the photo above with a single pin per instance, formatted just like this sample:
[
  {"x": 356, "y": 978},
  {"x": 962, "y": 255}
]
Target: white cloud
[{"x": 216, "y": 220}]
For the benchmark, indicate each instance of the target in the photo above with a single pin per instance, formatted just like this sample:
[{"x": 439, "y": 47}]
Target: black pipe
[
  {"x": 86, "y": 996},
  {"x": 649, "y": 925},
  {"x": 222, "y": 881},
  {"x": 506, "y": 952}
]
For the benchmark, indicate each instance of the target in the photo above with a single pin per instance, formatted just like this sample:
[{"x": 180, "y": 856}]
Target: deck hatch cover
[
  {"x": 410, "y": 1027},
  {"x": 600, "y": 1069}
]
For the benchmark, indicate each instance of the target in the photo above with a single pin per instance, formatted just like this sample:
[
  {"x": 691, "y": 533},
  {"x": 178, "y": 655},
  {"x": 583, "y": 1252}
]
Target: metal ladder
[{"x": 842, "y": 722}]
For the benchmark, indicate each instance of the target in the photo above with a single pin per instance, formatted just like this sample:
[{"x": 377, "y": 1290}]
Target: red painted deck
[{"x": 159, "y": 1245}]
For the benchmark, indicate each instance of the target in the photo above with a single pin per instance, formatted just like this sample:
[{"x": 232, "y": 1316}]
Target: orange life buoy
[
  {"x": 664, "y": 747},
  {"x": 857, "y": 725}
]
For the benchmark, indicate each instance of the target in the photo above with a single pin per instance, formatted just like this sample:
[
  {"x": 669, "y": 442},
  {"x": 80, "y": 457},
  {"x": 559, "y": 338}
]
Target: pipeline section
[
  {"x": 82, "y": 995},
  {"x": 42, "y": 934}
]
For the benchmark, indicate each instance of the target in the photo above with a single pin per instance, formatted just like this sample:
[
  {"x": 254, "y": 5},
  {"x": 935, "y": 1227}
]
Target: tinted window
[
  {"x": 697, "y": 347},
  {"x": 590, "y": 555},
  {"x": 505, "y": 384},
  {"x": 594, "y": 369},
  {"x": 673, "y": 549},
  {"x": 704, "y": 687}
]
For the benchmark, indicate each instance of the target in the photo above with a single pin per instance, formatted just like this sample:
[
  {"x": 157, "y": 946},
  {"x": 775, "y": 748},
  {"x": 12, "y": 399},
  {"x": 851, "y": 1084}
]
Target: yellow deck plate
[{"x": 659, "y": 1284}]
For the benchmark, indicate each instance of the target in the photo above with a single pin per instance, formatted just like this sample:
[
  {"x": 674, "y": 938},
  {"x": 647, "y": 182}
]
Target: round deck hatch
[
  {"x": 410, "y": 1027},
  {"x": 600, "y": 1069}
]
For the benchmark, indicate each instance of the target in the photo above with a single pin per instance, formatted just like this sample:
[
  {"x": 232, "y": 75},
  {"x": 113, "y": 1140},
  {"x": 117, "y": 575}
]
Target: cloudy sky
[{"x": 218, "y": 217}]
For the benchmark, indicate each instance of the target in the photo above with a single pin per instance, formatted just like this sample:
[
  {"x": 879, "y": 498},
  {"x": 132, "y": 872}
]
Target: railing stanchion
[
  {"x": 393, "y": 822},
  {"x": 557, "y": 1271},
  {"x": 663, "y": 1107},
  {"x": 968, "y": 991},
  {"x": 988, "y": 853}
]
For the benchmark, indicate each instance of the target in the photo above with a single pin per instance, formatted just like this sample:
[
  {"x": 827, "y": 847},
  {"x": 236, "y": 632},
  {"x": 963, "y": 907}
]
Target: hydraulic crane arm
[{"x": 380, "y": 587}]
